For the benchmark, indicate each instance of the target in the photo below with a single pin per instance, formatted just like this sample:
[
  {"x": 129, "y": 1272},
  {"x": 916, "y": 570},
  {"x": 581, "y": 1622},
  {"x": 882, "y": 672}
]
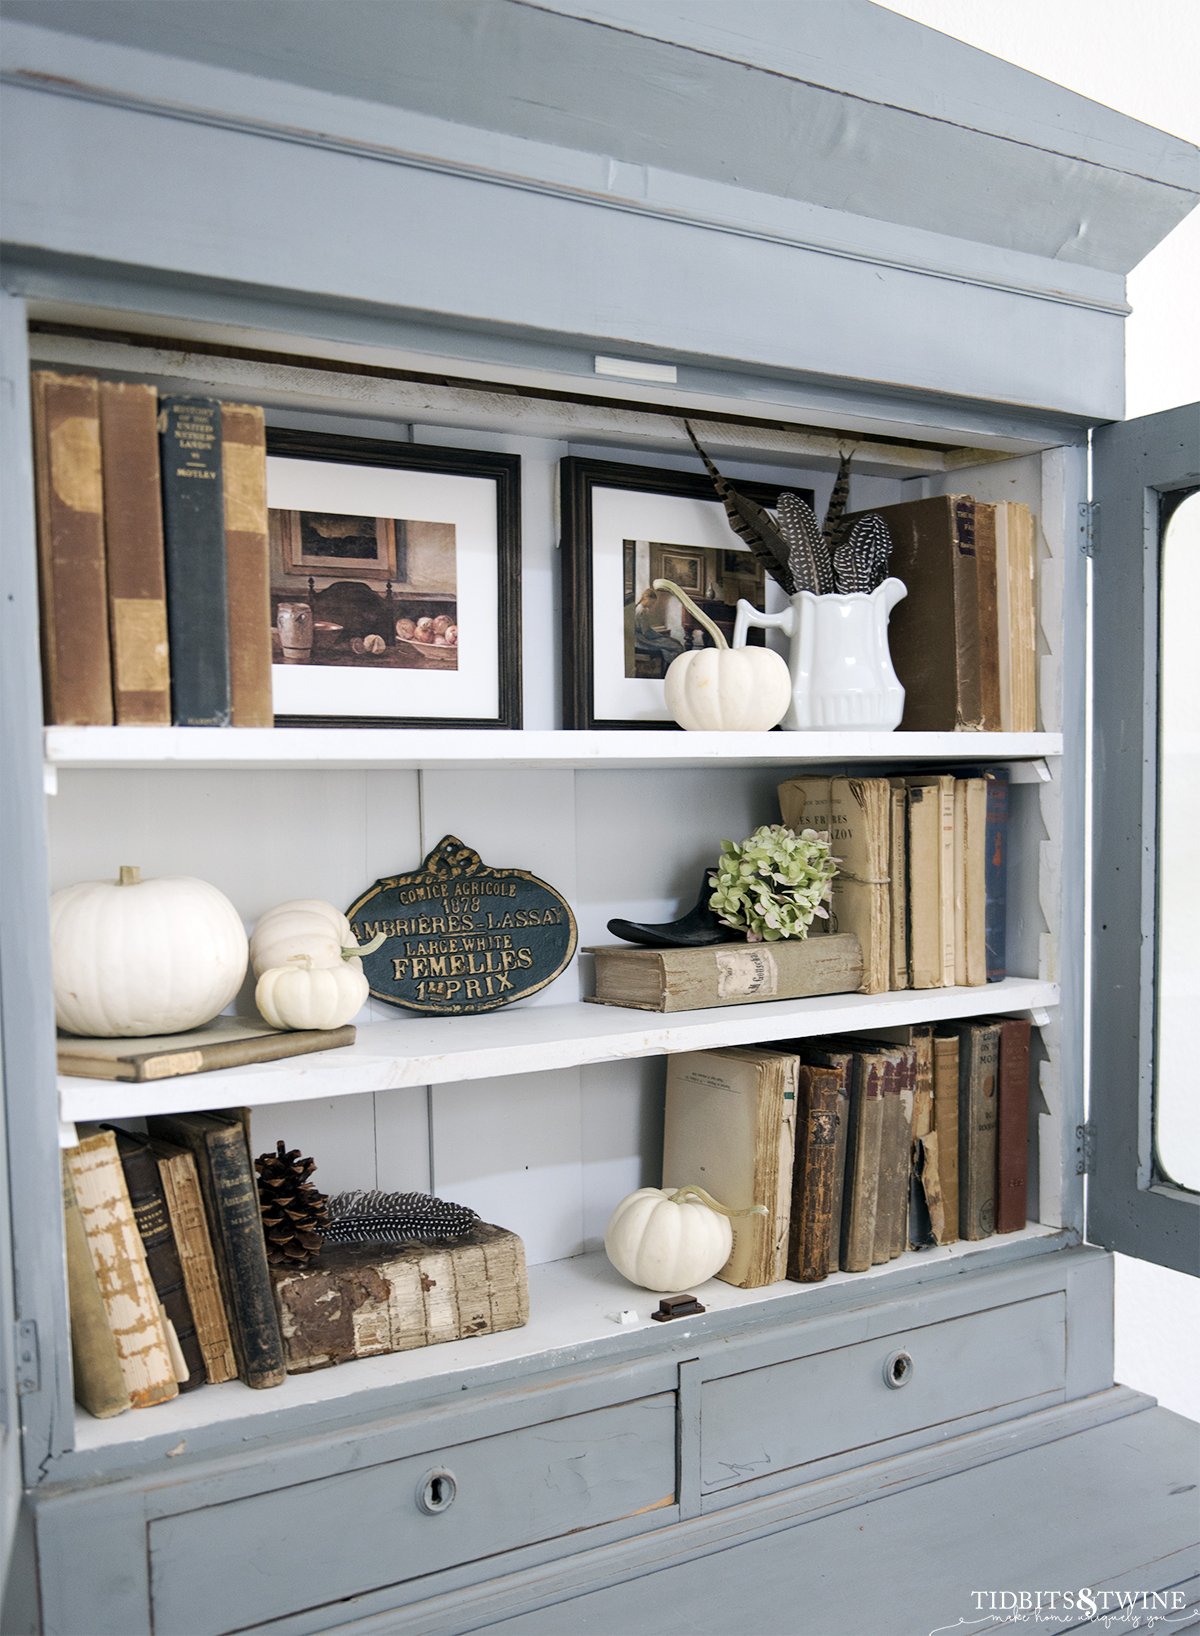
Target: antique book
[
  {"x": 217, "y": 1142},
  {"x": 860, "y": 837},
  {"x": 970, "y": 881},
  {"x": 226, "y": 1042},
  {"x": 898, "y": 962},
  {"x": 148, "y": 1199},
  {"x": 995, "y": 914},
  {"x": 897, "y": 1064},
  {"x": 924, "y": 1212},
  {"x": 135, "y": 1314},
  {"x": 809, "y": 802},
  {"x": 945, "y": 1125},
  {"x": 931, "y": 880},
  {"x": 823, "y": 1054},
  {"x": 72, "y": 581},
  {"x": 730, "y": 1127},
  {"x": 194, "y": 534},
  {"x": 989, "y": 625},
  {"x": 860, "y": 1195},
  {"x": 133, "y": 533},
  {"x": 1016, "y": 609},
  {"x": 933, "y": 635},
  {"x": 360, "y": 1300},
  {"x": 1012, "y": 1124},
  {"x": 813, "y": 1229},
  {"x": 247, "y": 563},
  {"x": 978, "y": 1065},
  {"x": 726, "y": 973},
  {"x": 185, "y": 1206},
  {"x": 95, "y": 1363}
]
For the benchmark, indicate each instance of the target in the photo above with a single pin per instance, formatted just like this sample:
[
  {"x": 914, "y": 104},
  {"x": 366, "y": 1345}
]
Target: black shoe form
[{"x": 694, "y": 930}]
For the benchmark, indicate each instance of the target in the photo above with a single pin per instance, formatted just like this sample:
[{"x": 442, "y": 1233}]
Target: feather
[
  {"x": 371, "y": 1217},
  {"x": 808, "y": 555},
  {"x": 750, "y": 522},
  {"x": 832, "y": 529}
]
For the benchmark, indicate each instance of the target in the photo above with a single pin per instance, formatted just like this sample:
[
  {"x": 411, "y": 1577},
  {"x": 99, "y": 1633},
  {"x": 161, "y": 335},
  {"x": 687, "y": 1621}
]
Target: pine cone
[{"x": 294, "y": 1214}]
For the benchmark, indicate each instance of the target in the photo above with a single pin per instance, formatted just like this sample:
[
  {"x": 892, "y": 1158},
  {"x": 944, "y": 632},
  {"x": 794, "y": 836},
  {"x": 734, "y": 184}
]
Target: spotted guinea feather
[
  {"x": 368, "y": 1216},
  {"x": 808, "y": 555}
]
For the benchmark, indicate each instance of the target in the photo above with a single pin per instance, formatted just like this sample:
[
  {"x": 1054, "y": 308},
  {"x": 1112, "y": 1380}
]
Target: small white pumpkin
[
  {"x": 724, "y": 689},
  {"x": 134, "y": 957},
  {"x": 667, "y": 1239},
  {"x": 303, "y": 995},
  {"x": 304, "y": 926}
]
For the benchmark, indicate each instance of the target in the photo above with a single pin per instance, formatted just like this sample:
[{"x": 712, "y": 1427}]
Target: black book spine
[
  {"x": 194, "y": 539},
  {"x": 162, "y": 1257}
]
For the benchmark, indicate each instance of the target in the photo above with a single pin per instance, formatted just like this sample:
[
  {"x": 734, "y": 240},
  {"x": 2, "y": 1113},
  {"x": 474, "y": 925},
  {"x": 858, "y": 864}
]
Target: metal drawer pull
[
  {"x": 436, "y": 1491},
  {"x": 898, "y": 1370}
]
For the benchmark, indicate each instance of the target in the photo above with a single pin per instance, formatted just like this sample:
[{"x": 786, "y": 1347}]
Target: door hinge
[
  {"x": 1085, "y": 1149},
  {"x": 1089, "y": 526},
  {"x": 29, "y": 1363}
]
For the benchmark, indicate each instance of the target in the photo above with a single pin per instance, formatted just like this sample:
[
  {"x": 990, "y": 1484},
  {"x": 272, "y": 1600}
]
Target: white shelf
[
  {"x": 575, "y": 1303},
  {"x": 413, "y": 1050},
  {"x": 300, "y": 748}
]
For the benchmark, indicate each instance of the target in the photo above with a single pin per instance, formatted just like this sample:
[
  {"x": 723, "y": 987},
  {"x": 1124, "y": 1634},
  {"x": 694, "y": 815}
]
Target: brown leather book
[
  {"x": 945, "y": 1125},
  {"x": 978, "y": 1078},
  {"x": 1012, "y": 1124},
  {"x": 76, "y": 667},
  {"x": 860, "y": 1197},
  {"x": 842, "y": 1063},
  {"x": 185, "y": 1206},
  {"x": 247, "y": 563},
  {"x": 925, "y": 1196},
  {"x": 989, "y": 626},
  {"x": 137, "y": 581},
  {"x": 933, "y": 635},
  {"x": 814, "y": 1227}
]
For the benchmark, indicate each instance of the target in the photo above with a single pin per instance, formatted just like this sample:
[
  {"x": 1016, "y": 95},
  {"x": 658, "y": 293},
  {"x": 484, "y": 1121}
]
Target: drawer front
[
  {"x": 254, "y": 1559},
  {"x": 771, "y": 1419}
]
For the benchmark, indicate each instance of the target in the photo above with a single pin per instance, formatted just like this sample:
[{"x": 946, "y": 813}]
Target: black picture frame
[
  {"x": 581, "y": 481},
  {"x": 485, "y": 691}
]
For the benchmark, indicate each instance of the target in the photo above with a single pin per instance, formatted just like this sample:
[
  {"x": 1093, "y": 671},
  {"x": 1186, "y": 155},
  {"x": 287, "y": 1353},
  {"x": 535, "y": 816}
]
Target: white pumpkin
[
  {"x": 723, "y": 689},
  {"x": 134, "y": 957},
  {"x": 667, "y": 1239},
  {"x": 303, "y": 995},
  {"x": 304, "y": 926}
]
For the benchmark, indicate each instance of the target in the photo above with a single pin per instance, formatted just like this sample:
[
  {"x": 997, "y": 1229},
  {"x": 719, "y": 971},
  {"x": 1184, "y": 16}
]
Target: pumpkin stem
[
  {"x": 354, "y": 951},
  {"x": 707, "y": 1198},
  {"x": 130, "y": 874},
  {"x": 713, "y": 630}
]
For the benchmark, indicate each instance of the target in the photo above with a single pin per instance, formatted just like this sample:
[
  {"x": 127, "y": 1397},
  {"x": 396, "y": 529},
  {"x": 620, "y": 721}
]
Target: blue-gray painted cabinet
[{"x": 554, "y": 230}]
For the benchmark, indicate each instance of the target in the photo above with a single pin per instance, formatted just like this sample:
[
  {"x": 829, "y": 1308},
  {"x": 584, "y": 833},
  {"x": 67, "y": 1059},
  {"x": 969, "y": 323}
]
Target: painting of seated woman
[{"x": 658, "y": 627}]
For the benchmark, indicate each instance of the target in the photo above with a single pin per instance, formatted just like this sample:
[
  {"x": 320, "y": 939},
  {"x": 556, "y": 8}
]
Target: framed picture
[
  {"x": 395, "y": 583},
  {"x": 623, "y": 528}
]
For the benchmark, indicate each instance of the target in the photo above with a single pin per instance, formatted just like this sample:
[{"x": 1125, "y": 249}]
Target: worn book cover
[
  {"x": 1012, "y": 1124},
  {"x": 217, "y": 1142},
  {"x": 247, "y": 563},
  {"x": 933, "y": 635},
  {"x": 72, "y": 576},
  {"x": 95, "y": 1363},
  {"x": 194, "y": 536},
  {"x": 978, "y": 1080},
  {"x": 808, "y": 805},
  {"x": 931, "y": 879},
  {"x": 135, "y": 1315},
  {"x": 897, "y": 1065},
  {"x": 989, "y": 624},
  {"x": 1016, "y": 607},
  {"x": 730, "y": 1127},
  {"x": 148, "y": 1199},
  {"x": 995, "y": 914},
  {"x": 185, "y": 1206},
  {"x": 925, "y": 1197},
  {"x": 360, "y": 1300},
  {"x": 814, "y": 1226},
  {"x": 226, "y": 1042},
  {"x": 726, "y": 973},
  {"x": 824, "y": 1055},
  {"x": 898, "y": 963},
  {"x": 970, "y": 881},
  {"x": 860, "y": 1196},
  {"x": 945, "y": 1125},
  {"x": 137, "y": 585},
  {"x": 860, "y": 837}
]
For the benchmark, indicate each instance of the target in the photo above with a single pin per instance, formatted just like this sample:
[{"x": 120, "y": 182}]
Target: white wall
[{"x": 1141, "y": 60}]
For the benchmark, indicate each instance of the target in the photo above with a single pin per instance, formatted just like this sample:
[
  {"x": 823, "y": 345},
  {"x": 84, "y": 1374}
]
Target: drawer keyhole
[
  {"x": 436, "y": 1492},
  {"x": 898, "y": 1370}
]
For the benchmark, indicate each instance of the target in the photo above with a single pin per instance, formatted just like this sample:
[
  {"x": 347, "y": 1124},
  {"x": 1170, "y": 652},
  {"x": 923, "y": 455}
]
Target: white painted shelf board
[
  {"x": 304, "y": 748},
  {"x": 415, "y": 1050},
  {"x": 575, "y": 1303}
]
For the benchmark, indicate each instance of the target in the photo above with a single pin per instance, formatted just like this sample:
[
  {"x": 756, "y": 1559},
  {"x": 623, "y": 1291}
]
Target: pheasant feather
[
  {"x": 751, "y": 523},
  {"x": 371, "y": 1217},
  {"x": 832, "y": 529}
]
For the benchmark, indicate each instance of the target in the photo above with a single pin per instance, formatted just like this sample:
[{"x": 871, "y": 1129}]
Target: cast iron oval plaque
[{"x": 460, "y": 936}]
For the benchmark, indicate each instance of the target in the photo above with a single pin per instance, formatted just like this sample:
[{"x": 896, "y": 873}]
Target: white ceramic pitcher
[{"x": 842, "y": 674}]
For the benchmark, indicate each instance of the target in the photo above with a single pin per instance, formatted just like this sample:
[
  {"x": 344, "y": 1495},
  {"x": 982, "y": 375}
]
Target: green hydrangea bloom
[{"x": 773, "y": 884}]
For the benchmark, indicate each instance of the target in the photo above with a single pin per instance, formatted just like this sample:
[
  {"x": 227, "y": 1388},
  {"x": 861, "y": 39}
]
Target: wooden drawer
[
  {"x": 261, "y": 1557},
  {"x": 771, "y": 1419}
]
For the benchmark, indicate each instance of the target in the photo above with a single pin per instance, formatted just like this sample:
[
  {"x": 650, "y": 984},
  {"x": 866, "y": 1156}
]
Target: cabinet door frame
[{"x": 1131, "y": 1206}]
